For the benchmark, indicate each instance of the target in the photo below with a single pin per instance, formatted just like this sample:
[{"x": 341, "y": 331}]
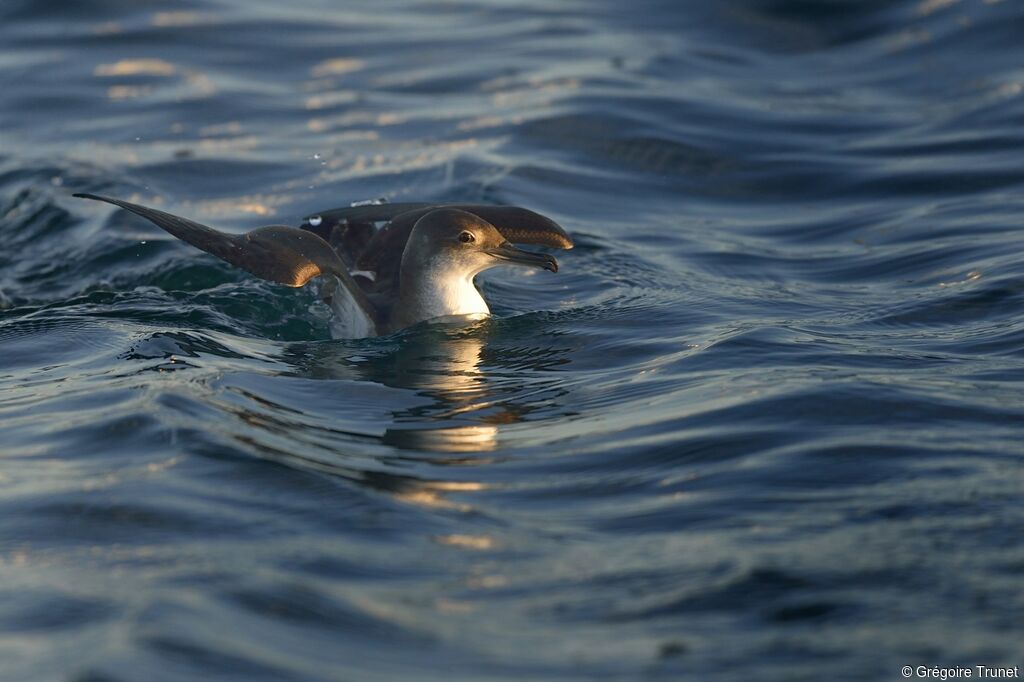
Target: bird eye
[{"x": 467, "y": 237}]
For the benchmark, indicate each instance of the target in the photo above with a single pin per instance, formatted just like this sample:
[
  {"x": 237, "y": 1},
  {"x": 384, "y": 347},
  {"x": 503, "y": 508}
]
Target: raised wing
[{"x": 277, "y": 253}]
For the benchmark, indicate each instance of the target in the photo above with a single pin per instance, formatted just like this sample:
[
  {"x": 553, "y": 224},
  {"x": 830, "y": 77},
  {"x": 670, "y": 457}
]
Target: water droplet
[{"x": 315, "y": 221}]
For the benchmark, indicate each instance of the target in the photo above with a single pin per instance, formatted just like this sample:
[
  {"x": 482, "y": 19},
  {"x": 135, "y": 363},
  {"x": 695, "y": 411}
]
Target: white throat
[
  {"x": 434, "y": 285},
  {"x": 441, "y": 296}
]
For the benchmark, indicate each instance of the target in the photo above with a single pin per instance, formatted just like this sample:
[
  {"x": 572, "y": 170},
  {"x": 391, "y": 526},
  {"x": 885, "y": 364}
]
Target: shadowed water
[{"x": 765, "y": 423}]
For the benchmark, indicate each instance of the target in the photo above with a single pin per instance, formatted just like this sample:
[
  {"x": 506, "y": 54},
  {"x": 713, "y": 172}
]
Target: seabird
[{"x": 419, "y": 266}]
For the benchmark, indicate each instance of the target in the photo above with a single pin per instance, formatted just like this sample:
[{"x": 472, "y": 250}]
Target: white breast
[
  {"x": 463, "y": 298},
  {"x": 349, "y": 321},
  {"x": 438, "y": 297}
]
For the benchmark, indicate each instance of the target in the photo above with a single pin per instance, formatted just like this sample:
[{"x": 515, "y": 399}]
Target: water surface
[{"x": 765, "y": 423}]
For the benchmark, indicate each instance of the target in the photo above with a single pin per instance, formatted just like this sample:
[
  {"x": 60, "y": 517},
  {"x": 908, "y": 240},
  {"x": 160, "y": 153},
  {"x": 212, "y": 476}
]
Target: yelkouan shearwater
[{"x": 419, "y": 266}]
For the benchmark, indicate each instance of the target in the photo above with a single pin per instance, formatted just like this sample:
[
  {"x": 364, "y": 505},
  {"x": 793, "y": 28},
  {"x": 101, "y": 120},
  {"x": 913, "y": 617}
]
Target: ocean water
[{"x": 766, "y": 422}]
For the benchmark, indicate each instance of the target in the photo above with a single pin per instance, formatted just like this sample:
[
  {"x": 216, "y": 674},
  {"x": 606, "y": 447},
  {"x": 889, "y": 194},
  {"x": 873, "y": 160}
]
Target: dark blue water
[{"x": 766, "y": 422}]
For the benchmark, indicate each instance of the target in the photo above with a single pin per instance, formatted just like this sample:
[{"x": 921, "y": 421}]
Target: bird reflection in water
[
  {"x": 446, "y": 364},
  {"x": 458, "y": 390}
]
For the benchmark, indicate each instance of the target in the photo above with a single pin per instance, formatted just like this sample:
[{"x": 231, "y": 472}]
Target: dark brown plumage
[
  {"x": 437, "y": 274},
  {"x": 352, "y": 232}
]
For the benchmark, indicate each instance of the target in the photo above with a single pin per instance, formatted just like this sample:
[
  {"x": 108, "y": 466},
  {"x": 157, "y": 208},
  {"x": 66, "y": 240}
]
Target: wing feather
[{"x": 276, "y": 253}]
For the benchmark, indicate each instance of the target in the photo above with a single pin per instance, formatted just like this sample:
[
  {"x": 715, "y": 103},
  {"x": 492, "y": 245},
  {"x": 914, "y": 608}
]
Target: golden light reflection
[
  {"x": 452, "y": 372},
  {"x": 390, "y": 119},
  {"x": 255, "y": 207},
  {"x": 428, "y": 498},
  {"x": 475, "y": 438},
  {"x": 478, "y": 542},
  {"x": 337, "y": 67},
  {"x": 432, "y": 493},
  {"x": 256, "y": 204},
  {"x": 453, "y": 406},
  {"x": 198, "y": 84},
  {"x": 136, "y": 67},
  {"x": 330, "y": 99},
  {"x": 483, "y": 122}
]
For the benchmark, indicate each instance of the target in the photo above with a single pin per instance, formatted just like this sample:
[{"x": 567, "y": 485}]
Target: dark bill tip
[{"x": 511, "y": 254}]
